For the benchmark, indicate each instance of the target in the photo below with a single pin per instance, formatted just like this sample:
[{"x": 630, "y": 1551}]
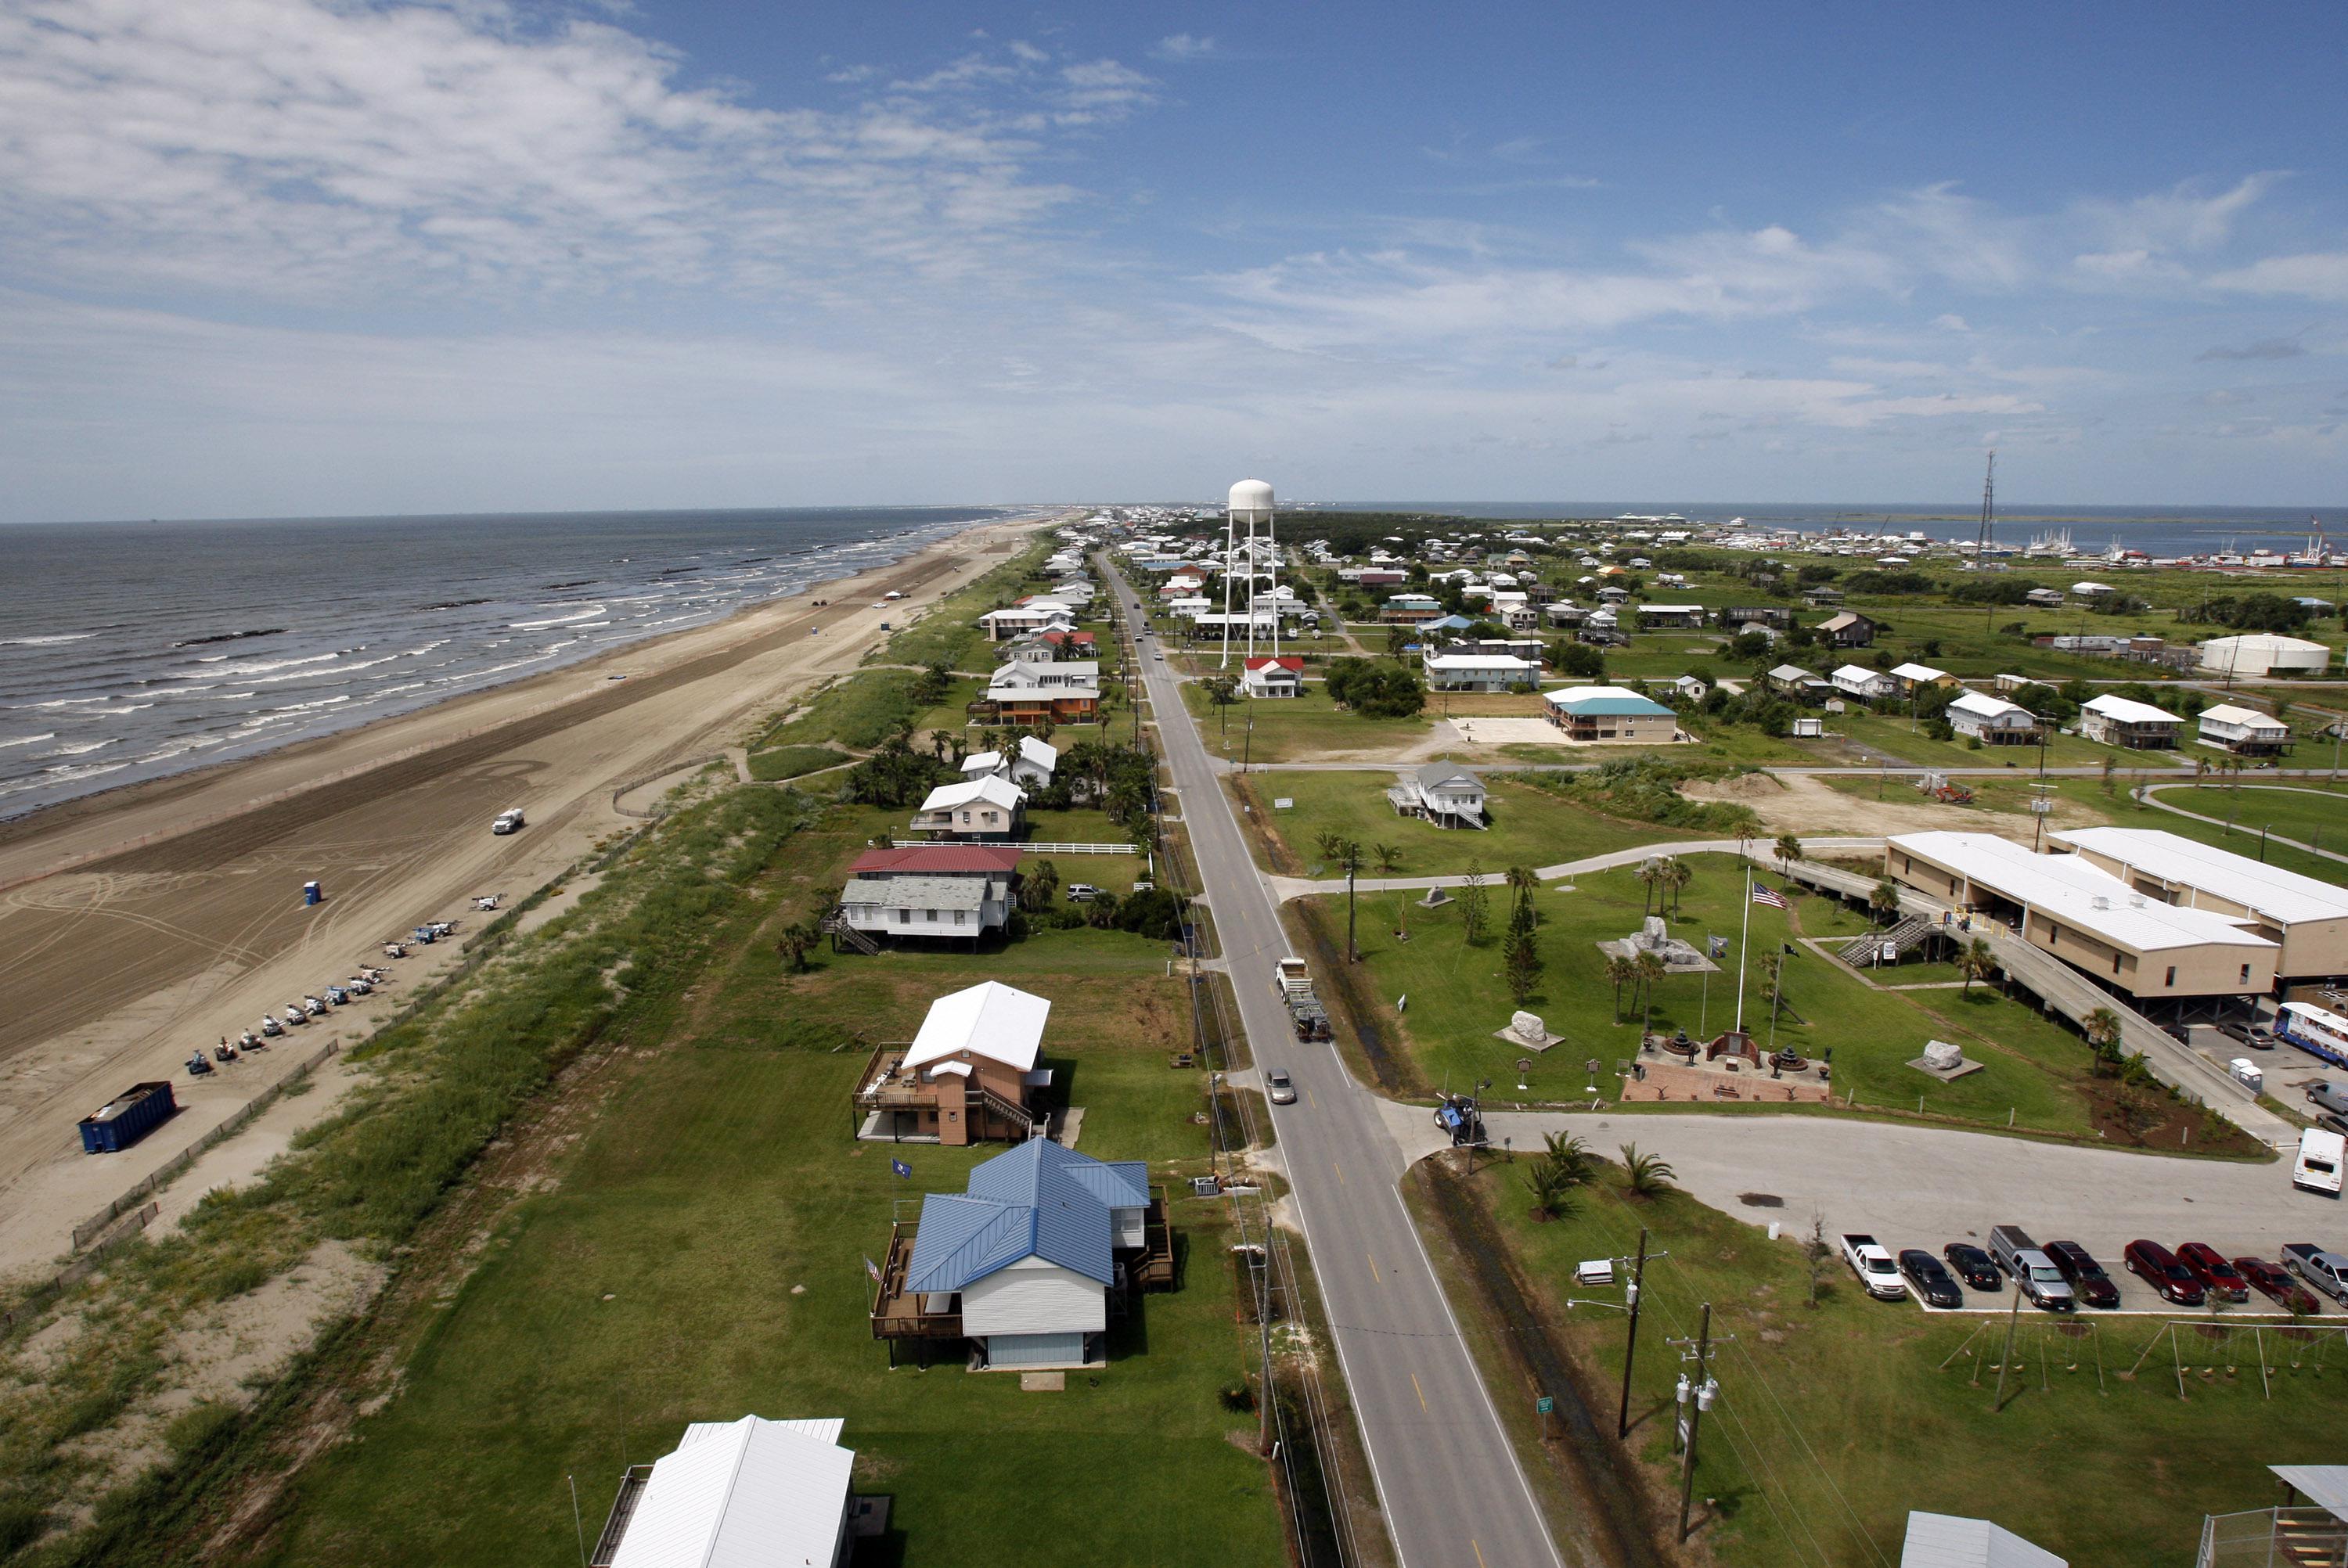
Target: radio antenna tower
[{"x": 1250, "y": 503}]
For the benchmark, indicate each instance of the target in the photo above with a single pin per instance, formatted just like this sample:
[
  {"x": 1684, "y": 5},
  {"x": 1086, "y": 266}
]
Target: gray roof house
[
  {"x": 1022, "y": 1262},
  {"x": 1443, "y": 793}
]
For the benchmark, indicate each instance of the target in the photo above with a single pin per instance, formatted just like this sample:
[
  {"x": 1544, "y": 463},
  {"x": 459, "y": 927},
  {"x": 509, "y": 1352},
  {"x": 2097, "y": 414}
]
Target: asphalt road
[
  {"x": 1452, "y": 1490},
  {"x": 1929, "y": 1186}
]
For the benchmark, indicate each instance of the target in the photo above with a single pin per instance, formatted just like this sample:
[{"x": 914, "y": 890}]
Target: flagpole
[{"x": 1744, "y": 942}]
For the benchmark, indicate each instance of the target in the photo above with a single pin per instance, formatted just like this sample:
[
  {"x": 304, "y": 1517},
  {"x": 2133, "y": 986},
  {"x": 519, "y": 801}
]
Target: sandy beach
[{"x": 142, "y": 924}]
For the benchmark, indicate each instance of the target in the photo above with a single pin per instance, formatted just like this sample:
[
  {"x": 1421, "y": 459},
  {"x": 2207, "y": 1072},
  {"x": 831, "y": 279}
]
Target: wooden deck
[
  {"x": 1152, "y": 1268},
  {"x": 897, "y": 1313}
]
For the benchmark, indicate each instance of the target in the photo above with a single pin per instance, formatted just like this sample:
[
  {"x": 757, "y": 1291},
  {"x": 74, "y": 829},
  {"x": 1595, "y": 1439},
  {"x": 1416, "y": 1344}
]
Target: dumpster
[
  {"x": 127, "y": 1118},
  {"x": 311, "y": 894}
]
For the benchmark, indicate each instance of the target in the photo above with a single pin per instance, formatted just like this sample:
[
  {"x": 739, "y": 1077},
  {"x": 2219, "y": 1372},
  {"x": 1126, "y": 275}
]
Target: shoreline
[
  {"x": 146, "y": 921},
  {"x": 17, "y": 825},
  {"x": 69, "y": 816}
]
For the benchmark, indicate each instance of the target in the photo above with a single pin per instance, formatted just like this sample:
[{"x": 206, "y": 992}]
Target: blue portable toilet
[{"x": 311, "y": 894}]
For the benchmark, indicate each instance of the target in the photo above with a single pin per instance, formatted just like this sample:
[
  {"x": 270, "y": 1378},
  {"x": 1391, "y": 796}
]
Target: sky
[{"x": 281, "y": 258}]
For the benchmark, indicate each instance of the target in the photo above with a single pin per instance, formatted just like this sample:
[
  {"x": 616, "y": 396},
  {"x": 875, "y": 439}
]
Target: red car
[
  {"x": 2208, "y": 1266},
  {"x": 2269, "y": 1280},
  {"x": 2157, "y": 1266}
]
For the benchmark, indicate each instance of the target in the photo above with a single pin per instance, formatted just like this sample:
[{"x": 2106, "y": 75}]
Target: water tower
[{"x": 1250, "y": 505}]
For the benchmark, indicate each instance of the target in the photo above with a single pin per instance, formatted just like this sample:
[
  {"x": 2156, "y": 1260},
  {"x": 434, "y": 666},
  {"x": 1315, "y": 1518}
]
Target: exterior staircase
[
  {"x": 1906, "y": 933},
  {"x": 1009, "y": 1110},
  {"x": 835, "y": 925}
]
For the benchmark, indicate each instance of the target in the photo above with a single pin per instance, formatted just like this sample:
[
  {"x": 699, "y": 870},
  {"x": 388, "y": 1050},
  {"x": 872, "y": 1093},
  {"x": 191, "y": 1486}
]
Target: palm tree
[
  {"x": 1745, "y": 842},
  {"x": 1387, "y": 858},
  {"x": 1329, "y": 841},
  {"x": 1651, "y": 969},
  {"x": 1649, "y": 874},
  {"x": 1645, "y": 1175},
  {"x": 795, "y": 941},
  {"x": 1522, "y": 882},
  {"x": 1349, "y": 861},
  {"x": 1619, "y": 972},
  {"x": 1677, "y": 874},
  {"x": 1976, "y": 963},
  {"x": 1569, "y": 1154},
  {"x": 2102, "y": 1027},
  {"x": 1883, "y": 901},
  {"x": 1551, "y": 1191},
  {"x": 1789, "y": 850}
]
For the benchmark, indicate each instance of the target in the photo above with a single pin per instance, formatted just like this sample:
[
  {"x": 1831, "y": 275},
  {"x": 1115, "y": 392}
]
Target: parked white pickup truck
[
  {"x": 2326, "y": 1271},
  {"x": 1874, "y": 1265}
]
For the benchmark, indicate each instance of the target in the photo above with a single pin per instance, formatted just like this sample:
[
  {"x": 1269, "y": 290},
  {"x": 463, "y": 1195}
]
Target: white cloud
[
  {"x": 1181, "y": 48},
  {"x": 2317, "y": 275},
  {"x": 288, "y": 147},
  {"x": 1951, "y": 323}
]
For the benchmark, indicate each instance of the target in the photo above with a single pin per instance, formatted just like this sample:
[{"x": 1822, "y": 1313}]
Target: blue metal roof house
[{"x": 1023, "y": 1263}]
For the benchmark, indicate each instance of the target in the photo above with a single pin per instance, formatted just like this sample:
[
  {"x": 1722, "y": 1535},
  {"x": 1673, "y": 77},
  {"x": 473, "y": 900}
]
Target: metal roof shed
[
  {"x": 1946, "y": 1541},
  {"x": 740, "y": 1494}
]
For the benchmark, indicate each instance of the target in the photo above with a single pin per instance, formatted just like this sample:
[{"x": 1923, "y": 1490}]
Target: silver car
[{"x": 1284, "y": 1091}]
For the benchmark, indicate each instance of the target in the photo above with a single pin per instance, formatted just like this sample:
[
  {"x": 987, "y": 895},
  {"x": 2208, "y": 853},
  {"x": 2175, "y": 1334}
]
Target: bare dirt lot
[
  {"x": 178, "y": 916},
  {"x": 1801, "y": 804}
]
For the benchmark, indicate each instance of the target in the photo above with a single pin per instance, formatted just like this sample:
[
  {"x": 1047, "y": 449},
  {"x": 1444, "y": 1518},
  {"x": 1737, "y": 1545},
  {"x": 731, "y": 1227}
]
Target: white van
[{"x": 2319, "y": 1157}]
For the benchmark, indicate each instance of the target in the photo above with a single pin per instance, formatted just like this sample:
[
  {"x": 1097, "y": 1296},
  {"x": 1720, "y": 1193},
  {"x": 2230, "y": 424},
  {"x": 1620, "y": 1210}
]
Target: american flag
[{"x": 1766, "y": 894}]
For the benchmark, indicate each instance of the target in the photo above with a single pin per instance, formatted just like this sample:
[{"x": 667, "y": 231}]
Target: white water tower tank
[{"x": 1250, "y": 502}]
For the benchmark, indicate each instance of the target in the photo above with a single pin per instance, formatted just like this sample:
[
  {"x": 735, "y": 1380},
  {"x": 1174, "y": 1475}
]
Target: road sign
[{"x": 1545, "y": 1405}]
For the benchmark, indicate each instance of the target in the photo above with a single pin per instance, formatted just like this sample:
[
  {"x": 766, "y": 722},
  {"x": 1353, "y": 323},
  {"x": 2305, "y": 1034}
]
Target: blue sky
[{"x": 270, "y": 257}]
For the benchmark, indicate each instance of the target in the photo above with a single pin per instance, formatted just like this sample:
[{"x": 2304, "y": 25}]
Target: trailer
[{"x": 127, "y": 1118}]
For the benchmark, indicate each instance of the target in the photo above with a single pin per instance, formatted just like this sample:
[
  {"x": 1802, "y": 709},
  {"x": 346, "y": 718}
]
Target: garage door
[{"x": 1035, "y": 1349}]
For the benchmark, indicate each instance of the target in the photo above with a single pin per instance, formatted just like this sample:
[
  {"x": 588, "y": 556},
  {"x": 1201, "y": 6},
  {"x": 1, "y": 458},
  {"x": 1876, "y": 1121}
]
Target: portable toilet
[
  {"x": 2248, "y": 1074},
  {"x": 311, "y": 894}
]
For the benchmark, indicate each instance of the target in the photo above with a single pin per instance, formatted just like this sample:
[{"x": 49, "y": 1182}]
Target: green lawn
[
  {"x": 1297, "y": 728},
  {"x": 790, "y": 761},
  {"x": 1834, "y": 1421},
  {"x": 1529, "y": 826},
  {"x": 1891, "y": 733},
  {"x": 2307, "y": 811},
  {"x": 1458, "y": 998},
  {"x": 698, "y": 1253}
]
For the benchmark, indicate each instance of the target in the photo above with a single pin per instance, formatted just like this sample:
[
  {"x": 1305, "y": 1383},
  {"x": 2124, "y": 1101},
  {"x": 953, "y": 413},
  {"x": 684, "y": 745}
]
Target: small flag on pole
[
  {"x": 1763, "y": 894},
  {"x": 1719, "y": 946},
  {"x": 873, "y": 1269},
  {"x": 902, "y": 1169}
]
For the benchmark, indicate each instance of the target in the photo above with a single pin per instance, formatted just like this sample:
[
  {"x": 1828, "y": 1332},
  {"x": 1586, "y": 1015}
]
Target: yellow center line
[
  {"x": 1341, "y": 1172},
  {"x": 1310, "y": 1101},
  {"x": 1419, "y": 1391},
  {"x": 1374, "y": 1267},
  {"x": 1479, "y": 1551}
]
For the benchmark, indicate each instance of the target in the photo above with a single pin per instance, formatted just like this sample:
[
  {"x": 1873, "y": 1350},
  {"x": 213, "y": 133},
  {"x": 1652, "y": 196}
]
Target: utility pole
[
  {"x": 1695, "y": 1397},
  {"x": 1631, "y": 1348},
  {"x": 2012, "y": 1321},
  {"x": 1980, "y": 545}
]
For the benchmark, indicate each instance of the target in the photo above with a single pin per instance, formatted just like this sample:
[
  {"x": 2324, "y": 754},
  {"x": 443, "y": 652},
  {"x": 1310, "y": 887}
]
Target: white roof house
[
  {"x": 990, "y": 789},
  {"x": 752, "y": 1493},
  {"x": 1479, "y": 672},
  {"x": 2262, "y": 653},
  {"x": 997, "y": 1021},
  {"x": 2127, "y": 711},
  {"x": 1031, "y": 764},
  {"x": 2243, "y": 728},
  {"x": 1859, "y": 681},
  {"x": 1914, "y": 674},
  {"x": 1991, "y": 718}
]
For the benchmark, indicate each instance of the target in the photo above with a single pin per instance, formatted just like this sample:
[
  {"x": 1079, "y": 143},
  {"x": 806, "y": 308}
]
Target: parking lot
[{"x": 1926, "y": 1187}]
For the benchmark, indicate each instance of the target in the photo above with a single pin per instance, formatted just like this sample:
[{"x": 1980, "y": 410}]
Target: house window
[
  {"x": 904, "y": 917},
  {"x": 2171, "y": 980},
  {"x": 2115, "y": 963},
  {"x": 2246, "y": 974},
  {"x": 958, "y": 917}
]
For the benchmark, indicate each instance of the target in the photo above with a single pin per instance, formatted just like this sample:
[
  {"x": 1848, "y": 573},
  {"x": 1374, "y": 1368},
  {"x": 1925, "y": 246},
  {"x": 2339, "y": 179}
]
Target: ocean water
[
  {"x": 130, "y": 651},
  {"x": 2156, "y": 530}
]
